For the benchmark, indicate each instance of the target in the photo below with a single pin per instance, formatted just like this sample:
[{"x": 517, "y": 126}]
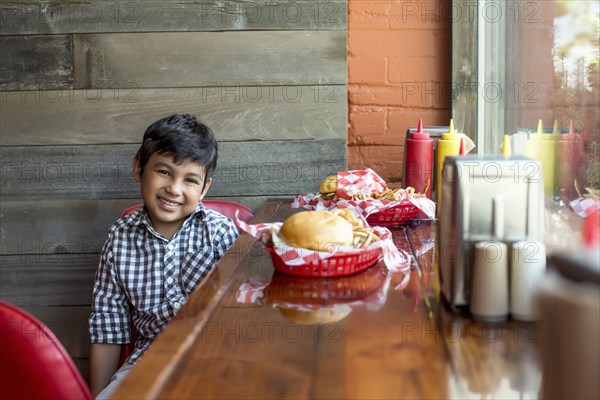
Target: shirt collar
[{"x": 140, "y": 217}]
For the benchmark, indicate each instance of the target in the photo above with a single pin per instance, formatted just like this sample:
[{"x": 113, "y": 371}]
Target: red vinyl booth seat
[
  {"x": 33, "y": 363},
  {"x": 226, "y": 208}
]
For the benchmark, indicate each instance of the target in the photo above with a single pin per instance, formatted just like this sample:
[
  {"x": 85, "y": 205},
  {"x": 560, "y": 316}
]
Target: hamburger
[
  {"x": 309, "y": 300},
  {"x": 329, "y": 185},
  {"x": 317, "y": 230},
  {"x": 328, "y": 189}
]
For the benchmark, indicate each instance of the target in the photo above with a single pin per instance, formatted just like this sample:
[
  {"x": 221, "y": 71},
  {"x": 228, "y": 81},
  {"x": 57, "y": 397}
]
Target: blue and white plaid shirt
[{"x": 143, "y": 278}]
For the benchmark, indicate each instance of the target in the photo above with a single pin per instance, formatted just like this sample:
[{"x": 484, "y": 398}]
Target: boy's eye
[
  {"x": 191, "y": 180},
  {"x": 163, "y": 172}
]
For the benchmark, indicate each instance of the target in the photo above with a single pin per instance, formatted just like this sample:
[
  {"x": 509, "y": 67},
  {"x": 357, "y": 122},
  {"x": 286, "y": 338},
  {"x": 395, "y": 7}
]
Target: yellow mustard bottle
[
  {"x": 506, "y": 147},
  {"x": 532, "y": 147},
  {"x": 556, "y": 131},
  {"x": 541, "y": 146},
  {"x": 448, "y": 145}
]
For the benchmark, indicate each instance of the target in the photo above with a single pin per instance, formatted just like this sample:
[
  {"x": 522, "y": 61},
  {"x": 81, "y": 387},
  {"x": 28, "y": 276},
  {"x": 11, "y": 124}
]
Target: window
[{"x": 516, "y": 62}]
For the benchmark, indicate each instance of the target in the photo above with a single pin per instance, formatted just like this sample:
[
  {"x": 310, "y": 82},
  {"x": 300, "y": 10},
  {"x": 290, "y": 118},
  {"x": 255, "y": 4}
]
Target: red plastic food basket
[
  {"x": 337, "y": 265},
  {"x": 394, "y": 215}
]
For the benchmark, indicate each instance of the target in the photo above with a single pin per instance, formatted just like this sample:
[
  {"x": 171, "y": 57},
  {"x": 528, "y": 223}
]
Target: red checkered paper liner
[
  {"x": 252, "y": 290},
  {"x": 395, "y": 260},
  {"x": 585, "y": 206},
  {"x": 314, "y": 201},
  {"x": 360, "y": 181}
]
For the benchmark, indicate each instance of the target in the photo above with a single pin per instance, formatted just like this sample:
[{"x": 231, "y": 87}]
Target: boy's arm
[
  {"x": 108, "y": 323},
  {"x": 227, "y": 233},
  {"x": 104, "y": 358}
]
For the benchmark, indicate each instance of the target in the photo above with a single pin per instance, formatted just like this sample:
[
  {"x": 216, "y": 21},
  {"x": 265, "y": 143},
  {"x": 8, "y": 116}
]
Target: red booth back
[
  {"x": 34, "y": 364},
  {"x": 226, "y": 208}
]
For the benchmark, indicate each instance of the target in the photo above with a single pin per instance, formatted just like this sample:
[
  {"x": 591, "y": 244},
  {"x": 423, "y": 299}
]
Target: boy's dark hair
[{"x": 182, "y": 137}]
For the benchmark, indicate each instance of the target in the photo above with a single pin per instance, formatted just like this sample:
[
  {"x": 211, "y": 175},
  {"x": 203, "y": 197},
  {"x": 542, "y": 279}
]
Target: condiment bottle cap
[
  {"x": 571, "y": 127},
  {"x": 462, "y": 150},
  {"x": 540, "y": 132},
  {"x": 571, "y": 135},
  {"x": 419, "y": 134},
  {"x": 450, "y": 135}
]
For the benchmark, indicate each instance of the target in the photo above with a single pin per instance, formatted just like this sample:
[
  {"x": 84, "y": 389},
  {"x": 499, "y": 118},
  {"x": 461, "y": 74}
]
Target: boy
[{"x": 154, "y": 258}]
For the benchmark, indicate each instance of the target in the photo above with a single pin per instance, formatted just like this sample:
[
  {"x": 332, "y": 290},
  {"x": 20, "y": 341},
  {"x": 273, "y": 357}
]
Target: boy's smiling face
[{"x": 170, "y": 191}]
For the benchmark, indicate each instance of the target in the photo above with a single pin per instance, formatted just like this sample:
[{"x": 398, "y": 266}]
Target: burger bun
[
  {"x": 329, "y": 184},
  {"x": 316, "y": 230},
  {"x": 323, "y": 316}
]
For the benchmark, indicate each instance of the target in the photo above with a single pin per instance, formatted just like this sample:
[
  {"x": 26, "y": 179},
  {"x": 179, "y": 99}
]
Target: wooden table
[{"x": 396, "y": 341}]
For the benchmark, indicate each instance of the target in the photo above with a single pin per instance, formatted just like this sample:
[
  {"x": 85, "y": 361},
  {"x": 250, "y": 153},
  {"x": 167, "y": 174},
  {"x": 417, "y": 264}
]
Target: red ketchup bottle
[
  {"x": 418, "y": 171},
  {"x": 571, "y": 153}
]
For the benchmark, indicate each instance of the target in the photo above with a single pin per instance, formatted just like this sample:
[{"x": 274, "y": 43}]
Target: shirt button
[
  {"x": 169, "y": 280},
  {"x": 177, "y": 305}
]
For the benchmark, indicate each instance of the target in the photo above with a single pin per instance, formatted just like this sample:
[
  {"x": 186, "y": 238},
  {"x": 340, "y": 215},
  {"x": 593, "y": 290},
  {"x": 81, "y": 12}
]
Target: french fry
[
  {"x": 364, "y": 237},
  {"x": 348, "y": 216}
]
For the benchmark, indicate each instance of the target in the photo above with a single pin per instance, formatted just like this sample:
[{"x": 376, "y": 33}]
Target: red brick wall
[{"x": 399, "y": 69}]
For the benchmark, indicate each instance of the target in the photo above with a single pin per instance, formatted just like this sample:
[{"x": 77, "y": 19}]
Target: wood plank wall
[{"x": 79, "y": 83}]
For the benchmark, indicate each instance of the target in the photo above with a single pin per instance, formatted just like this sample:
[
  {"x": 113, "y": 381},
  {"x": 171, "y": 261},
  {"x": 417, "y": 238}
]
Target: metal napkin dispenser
[{"x": 484, "y": 198}]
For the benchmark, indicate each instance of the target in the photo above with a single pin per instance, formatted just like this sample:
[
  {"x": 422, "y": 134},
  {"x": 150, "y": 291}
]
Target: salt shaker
[
  {"x": 489, "y": 291},
  {"x": 528, "y": 266}
]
